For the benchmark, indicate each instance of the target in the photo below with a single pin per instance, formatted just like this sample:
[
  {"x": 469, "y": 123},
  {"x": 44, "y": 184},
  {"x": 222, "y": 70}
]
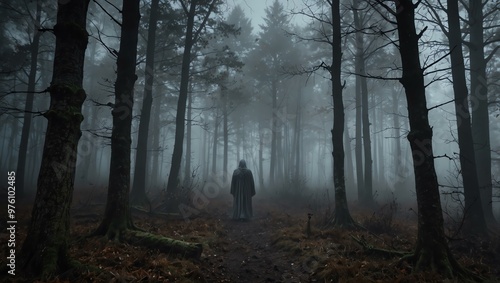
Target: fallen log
[{"x": 163, "y": 244}]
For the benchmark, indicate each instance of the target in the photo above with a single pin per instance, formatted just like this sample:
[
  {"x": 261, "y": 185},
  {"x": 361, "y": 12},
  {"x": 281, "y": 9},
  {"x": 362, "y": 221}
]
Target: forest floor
[{"x": 273, "y": 247}]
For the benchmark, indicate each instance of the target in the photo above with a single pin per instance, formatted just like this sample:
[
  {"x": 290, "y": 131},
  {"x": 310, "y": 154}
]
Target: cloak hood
[{"x": 242, "y": 164}]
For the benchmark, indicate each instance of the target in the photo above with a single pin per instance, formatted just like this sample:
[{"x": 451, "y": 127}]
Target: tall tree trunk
[
  {"x": 84, "y": 169},
  {"x": 342, "y": 216},
  {"x": 238, "y": 141},
  {"x": 45, "y": 249},
  {"x": 399, "y": 176},
  {"x": 23, "y": 147},
  {"x": 367, "y": 194},
  {"x": 187, "y": 165},
  {"x": 279, "y": 152},
  {"x": 172, "y": 185},
  {"x": 381, "y": 156},
  {"x": 375, "y": 147},
  {"x": 349, "y": 170},
  {"x": 117, "y": 219},
  {"x": 13, "y": 143},
  {"x": 206, "y": 153},
  {"x": 215, "y": 142},
  {"x": 155, "y": 165},
  {"x": 286, "y": 154},
  {"x": 138, "y": 194},
  {"x": 225, "y": 133},
  {"x": 157, "y": 151},
  {"x": 359, "y": 144},
  {"x": 180, "y": 118},
  {"x": 261, "y": 155},
  {"x": 298, "y": 131},
  {"x": 474, "y": 216},
  {"x": 479, "y": 101},
  {"x": 431, "y": 251},
  {"x": 274, "y": 128}
]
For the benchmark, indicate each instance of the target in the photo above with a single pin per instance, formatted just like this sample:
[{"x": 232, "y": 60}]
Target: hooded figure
[{"x": 242, "y": 189}]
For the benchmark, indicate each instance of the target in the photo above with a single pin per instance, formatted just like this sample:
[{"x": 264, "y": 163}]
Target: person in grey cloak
[{"x": 242, "y": 189}]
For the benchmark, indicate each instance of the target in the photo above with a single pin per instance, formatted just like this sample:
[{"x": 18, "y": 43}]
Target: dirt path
[{"x": 247, "y": 253}]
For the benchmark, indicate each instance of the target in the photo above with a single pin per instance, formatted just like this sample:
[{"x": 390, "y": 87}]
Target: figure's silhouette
[{"x": 242, "y": 189}]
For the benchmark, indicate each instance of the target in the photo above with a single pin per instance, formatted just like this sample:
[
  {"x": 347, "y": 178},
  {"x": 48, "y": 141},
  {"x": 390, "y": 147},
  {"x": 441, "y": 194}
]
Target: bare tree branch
[
  {"x": 107, "y": 13},
  {"x": 439, "y": 105}
]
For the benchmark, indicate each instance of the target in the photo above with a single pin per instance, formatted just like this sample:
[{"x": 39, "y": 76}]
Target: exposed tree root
[
  {"x": 371, "y": 249},
  {"x": 345, "y": 222},
  {"x": 47, "y": 261},
  {"x": 446, "y": 265},
  {"x": 51, "y": 265},
  {"x": 140, "y": 199},
  {"x": 426, "y": 260}
]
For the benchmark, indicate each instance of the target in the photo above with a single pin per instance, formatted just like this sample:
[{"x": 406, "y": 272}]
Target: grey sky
[{"x": 255, "y": 9}]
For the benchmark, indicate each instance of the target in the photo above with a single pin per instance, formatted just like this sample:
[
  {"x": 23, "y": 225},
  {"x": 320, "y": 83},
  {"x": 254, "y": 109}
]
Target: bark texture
[
  {"x": 342, "y": 216},
  {"x": 479, "y": 104},
  {"x": 180, "y": 119},
  {"x": 117, "y": 214},
  {"x": 362, "y": 87},
  {"x": 45, "y": 249},
  {"x": 474, "y": 217},
  {"x": 138, "y": 194},
  {"x": 431, "y": 251}
]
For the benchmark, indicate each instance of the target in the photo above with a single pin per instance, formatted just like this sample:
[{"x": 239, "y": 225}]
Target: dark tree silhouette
[
  {"x": 138, "y": 194},
  {"x": 117, "y": 217},
  {"x": 191, "y": 38},
  {"x": 431, "y": 251},
  {"x": 342, "y": 216},
  {"x": 474, "y": 216},
  {"x": 23, "y": 147},
  {"x": 479, "y": 98},
  {"x": 117, "y": 223},
  {"x": 45, "y": 249},
  {"x": 366, "y": 185},
  {"x": 330, "y": 22}
]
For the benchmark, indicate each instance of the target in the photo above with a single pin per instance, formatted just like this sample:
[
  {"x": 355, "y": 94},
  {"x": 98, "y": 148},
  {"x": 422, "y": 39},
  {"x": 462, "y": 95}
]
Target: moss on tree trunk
[
  {"x": 45, "y": 249},
  {"x": 163, "y": 244}
]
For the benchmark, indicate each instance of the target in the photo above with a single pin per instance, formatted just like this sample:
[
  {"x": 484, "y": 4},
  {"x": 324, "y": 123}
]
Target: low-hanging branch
[
  {"x": 439, "y": 105},
  {"x": 368, "y": 76},
  {"x": 114, "y": 6},
  {"x": 99, "y": 39},
  {"x": 26, "y": 92},
  {"x": 97, "y": 103},
  {"x": 438, "y": 60}
]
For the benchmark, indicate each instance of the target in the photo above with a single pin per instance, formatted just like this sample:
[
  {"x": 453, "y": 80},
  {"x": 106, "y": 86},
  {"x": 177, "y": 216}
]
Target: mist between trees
[{"x": 320, "y": 99}]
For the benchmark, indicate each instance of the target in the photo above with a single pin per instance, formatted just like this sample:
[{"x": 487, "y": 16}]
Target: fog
[
  {"x": 243, "y": 100},
  {"x": 378, "y": 118}
]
